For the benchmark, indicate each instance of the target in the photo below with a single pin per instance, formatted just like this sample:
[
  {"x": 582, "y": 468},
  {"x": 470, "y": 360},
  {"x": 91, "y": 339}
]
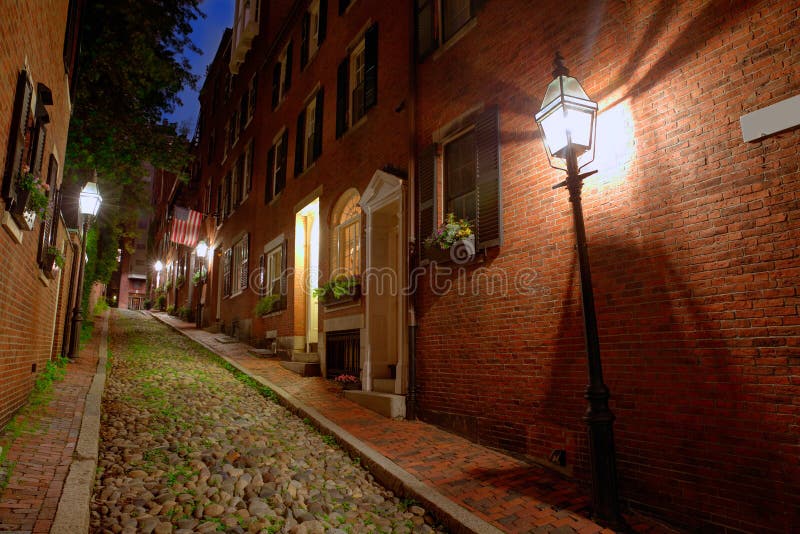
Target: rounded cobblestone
[{"x": 187, "y": 447}]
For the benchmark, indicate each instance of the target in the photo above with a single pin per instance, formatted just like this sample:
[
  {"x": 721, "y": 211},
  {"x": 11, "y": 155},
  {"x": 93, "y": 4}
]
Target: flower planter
[
  {"x": 329, "y": 300},
  {"x": 24, "y": 218},
  {"x": 49, "y": 267},
  {"x": 460, "y": 252}
]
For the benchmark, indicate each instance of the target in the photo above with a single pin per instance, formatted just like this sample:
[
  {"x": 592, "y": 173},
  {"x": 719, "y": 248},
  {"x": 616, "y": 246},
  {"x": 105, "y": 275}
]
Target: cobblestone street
[{"x": 188, "y": 447}]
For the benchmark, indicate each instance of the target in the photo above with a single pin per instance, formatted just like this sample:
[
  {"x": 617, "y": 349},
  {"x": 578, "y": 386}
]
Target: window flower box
[
  {"x": 342, "y": 290},
  {"x": 452, "y": 241}
]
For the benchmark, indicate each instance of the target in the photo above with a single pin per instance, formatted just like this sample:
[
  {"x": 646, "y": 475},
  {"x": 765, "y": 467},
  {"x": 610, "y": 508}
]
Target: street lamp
[
  {"x": 201, "y": 251},
  {"x": 89, "y": 203},
  {"x": 567, "y": 121},
  {"x": 158, "y": 266}
]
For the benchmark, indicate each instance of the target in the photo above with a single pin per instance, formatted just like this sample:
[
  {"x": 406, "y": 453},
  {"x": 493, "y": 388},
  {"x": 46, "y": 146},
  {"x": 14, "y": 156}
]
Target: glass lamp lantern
[
  {"x": 202, "y": 249},
  {"x": 90, "y": 199},
  {"x": 567, "y": 120},
  {"x": 158, "y": 266}
]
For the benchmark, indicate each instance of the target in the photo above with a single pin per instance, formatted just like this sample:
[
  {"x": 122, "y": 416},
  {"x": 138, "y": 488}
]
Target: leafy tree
[{"x": 131, "y": 68}]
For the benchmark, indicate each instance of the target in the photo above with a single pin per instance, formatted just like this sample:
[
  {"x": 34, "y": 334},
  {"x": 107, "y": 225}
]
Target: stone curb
[
  {"x": 456, "y": 518},
  {"x": 74, "y": 505}
]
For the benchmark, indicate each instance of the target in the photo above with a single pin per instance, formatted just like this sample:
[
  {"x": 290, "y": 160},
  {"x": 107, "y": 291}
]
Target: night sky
[{"x": 206, "y": 35}]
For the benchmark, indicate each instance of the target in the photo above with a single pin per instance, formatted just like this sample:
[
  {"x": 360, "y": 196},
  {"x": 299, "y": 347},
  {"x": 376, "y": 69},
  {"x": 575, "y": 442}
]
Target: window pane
[
  {"x": 459, "y": 170},
  {"x": 455, "y": 13}
]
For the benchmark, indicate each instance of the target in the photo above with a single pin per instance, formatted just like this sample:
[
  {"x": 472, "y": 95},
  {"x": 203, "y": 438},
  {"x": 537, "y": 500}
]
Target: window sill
[
  {"x": 355, "y": 127},
  {"x": 44, "y": 279},
  {"x": 276, "y": 198},
  {"x": 455, "y": 38},
  {"x": 11, "y": 227},
  {"x": 306, "y": 170},
  {"x": 271, "y": 314}
]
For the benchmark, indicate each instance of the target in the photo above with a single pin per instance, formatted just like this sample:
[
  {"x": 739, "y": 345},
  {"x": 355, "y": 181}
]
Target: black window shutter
[
  {"x": 287, "y": 81},
  {"x": 426, "y": 193},
  {"x": 489, "y": 223},
  {"x": 342, "y": 93},
  {"x": 426, "y": 27},
  {"x": 243, "y": 113},
  {"x": 284, "y": 276},
  {"x": 323, "y": 21},
  {"x": 299, "y": 145},
  {"x": 50, "y": 224},
  {"x": 304, "y": 41},
  {"x": 226, "y": 273},
  {"x": 343, "y": 4},
  {"x": 276, "y": 84},
  {"x": 270, "y": 174},
  {"x": 318, "y": 123},
  {"x": 250, "y": 163},
  {"x": 16, "y": 137},
  {"x": 371, "y": 67},
  {"x": 281, "y": 155},
  {"x": 261, "y": 276}
]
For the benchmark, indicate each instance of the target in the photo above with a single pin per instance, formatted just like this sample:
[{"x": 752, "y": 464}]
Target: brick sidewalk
[
  {"x": 512, "y": 495},
  {"x": 42, "y": 454}
]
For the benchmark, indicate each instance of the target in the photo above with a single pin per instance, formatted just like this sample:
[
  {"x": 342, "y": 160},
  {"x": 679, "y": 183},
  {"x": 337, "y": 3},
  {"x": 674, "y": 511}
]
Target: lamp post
[
  {"x": 89, "y": 202},
  {"x": 201, "y": 251},
  {"x": 567, "y": 121}
]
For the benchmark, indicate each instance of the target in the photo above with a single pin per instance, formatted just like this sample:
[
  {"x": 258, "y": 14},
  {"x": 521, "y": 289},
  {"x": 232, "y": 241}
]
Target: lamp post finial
[{"x": 558, "y": 66}]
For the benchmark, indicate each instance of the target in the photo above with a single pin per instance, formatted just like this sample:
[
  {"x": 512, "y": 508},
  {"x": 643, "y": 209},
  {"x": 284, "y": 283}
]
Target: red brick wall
[
  {"x": 347, "y": 162},
  {"x": 33, "y": 35},
  {"x": 693, "y": 244}
]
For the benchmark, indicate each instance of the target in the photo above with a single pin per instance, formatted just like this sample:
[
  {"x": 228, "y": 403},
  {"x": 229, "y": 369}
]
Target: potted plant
[
  {"x": 341, "y": 289},
  {"x": 348, "y": 381},
  {"x": 265, "y": 304},
  {"x": 454, "y": 241},
  {"x": 199, "y": 277},
  {"x": 53, "y": 260},
  {"x": 179, "y": 281},
  {"x": 31, "y": 198}
]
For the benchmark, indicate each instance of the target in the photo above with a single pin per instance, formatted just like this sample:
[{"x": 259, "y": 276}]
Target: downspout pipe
[{"x": 411, "y": 398}]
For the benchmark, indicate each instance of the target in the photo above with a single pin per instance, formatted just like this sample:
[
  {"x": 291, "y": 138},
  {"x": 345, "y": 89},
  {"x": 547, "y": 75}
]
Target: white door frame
[{"x": 385, "y": 189}]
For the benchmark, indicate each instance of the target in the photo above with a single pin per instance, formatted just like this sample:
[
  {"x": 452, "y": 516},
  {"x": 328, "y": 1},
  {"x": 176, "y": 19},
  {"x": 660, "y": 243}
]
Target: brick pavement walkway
[
  {"x": 512, "y": 495},
  {"x": 43, "y": 452}
]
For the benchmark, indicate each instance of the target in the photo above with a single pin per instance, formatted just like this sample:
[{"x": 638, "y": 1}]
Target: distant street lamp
[
  {"x": 89, "y": 203},
  {"x": 568, "y": 120},
  {"x": 158, "y": 266},
  {"x": 201, "y": 251}
]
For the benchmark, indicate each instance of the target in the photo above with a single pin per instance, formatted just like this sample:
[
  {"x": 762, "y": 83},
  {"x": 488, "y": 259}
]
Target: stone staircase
[{"x": 303, "y": 363}]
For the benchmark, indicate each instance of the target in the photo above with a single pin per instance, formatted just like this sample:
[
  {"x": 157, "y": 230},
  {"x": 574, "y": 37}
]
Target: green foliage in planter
[
  {"x": 37, "y": 201},
  {"x": 265, "y": 304},
  {"x": 338, "y": 287},
  {"x": 198, "y": 277},
  {"x": 161, "y": 301},
  {"x": 171, "y": 309},
  {"x": 449, "y": 233},
  {"x": 58, "y": 257}
]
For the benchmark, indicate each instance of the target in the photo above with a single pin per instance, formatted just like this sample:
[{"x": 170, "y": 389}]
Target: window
[
  {"x": 226, "y": 142},
  {"x": 239, "y": 273},
  {"x": 234, "y": 187},
  {"x": 357, "y": 82},
  {"x": 439, "y": 20},
  {"x": 226, "y": 273},
  {"x": 469, "y": 166},
  {"x": 212, "y": 145},
  {"x": 346, "y": 235},
  {"x": 343, "y": 5},
  {"x": 459, "y": 176},
  {"x": 49, "y": 229},
  {"x": 276, "y": 166},
  {"x": 239, "y": 177},
  {"x": 309, "y": 134},
  {"x": 314, "y": 28},
  {"x": 244, "y": 111},
  {"x": 233, "y": 129},
  {"x": 274, "y": 271},
  {"x": 282, "y": 76}
]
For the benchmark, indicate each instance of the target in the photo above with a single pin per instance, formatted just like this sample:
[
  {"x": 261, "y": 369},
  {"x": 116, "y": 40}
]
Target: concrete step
[
  {"x": 261, "y": 353},
  {"x": 225, "y": 339},
  {"x": 302, "y": 368},
  {"x": 386, "y": 404},
  {"x": 383, "y": 385},
  {"x": 305, "y": 357}
]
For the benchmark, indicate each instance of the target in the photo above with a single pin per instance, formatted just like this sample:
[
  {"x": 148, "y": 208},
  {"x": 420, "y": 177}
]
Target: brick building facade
[
  {"x": 35, "y": 292},
  {"x": 692, "y": 233},
  {"x": 336, "y": 136}
]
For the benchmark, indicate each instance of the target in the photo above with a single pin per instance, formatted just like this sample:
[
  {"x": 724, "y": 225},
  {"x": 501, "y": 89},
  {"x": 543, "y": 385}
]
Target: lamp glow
[
  {"x": 202, "y": 249},
  {"x": 90, "y": 199},
  {"x": 158, "y": 266}
]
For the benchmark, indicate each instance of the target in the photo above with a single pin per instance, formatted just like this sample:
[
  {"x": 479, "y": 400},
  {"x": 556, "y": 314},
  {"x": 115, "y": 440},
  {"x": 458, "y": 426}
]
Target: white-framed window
[
  {"x": 460, "y": 172},
  {"x": 247, "y": 181},
  {"x": 439, "y": 20},
  {"x": 346, "y": 235},
  {"x": 282, "y": 76},
  {"x": 308, "y": 145},
  {"x": 273, "y": 270},
  {"x": 357, "y": 81},
  {"x": 253, "y": 96},
  {"x": 276, "y": 165},
  {"x": 310, "y": 134},
  {"x": 239, "y": 265},
  {"x": 314, "y": 29}
]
